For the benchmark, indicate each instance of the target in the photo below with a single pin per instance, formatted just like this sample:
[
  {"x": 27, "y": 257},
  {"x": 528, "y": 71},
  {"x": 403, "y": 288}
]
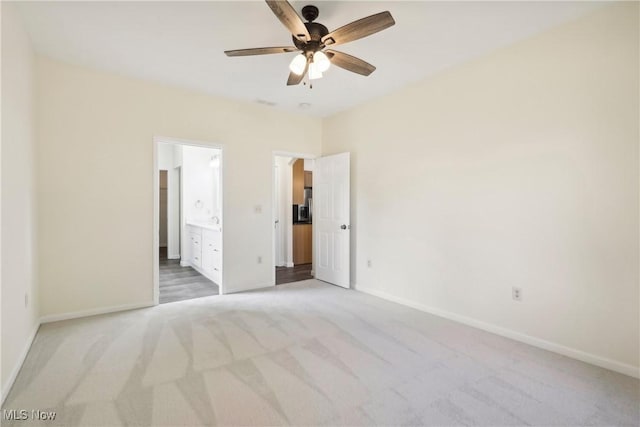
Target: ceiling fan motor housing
[{"x": 316, "y": 30}]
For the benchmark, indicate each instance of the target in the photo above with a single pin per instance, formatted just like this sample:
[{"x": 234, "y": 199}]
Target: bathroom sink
[{"x": 209, "y": 225}]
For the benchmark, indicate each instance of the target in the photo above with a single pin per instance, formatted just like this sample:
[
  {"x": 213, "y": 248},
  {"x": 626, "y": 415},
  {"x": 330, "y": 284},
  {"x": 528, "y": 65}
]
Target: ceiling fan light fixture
[
  {"x": 314, "y": 71},
  {"x": 321, "y": 60},
  {"x": 297, "y": 64}
]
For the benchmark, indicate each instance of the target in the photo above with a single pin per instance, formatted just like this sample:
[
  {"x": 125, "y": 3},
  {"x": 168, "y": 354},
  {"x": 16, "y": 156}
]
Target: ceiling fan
[{"x": 311, "y": 38}]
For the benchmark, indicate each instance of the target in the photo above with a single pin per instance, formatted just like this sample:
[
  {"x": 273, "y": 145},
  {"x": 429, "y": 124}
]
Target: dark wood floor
[
  {"x": 179, "y": 283},
  {"x": 293, "y": 274}
]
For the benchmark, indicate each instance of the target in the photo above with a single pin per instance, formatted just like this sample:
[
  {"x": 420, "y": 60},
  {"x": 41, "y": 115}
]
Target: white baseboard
[
  {"x": 174, "y": 256},
  {"x": 93, "y": 312},
  {"x": 251, "y": 288},
  {"x": 285, "y": 264},
  {"x": 185, "y": 263},
  {"x": 593, "y": 359},
  {"x": 6, "y": 387}
]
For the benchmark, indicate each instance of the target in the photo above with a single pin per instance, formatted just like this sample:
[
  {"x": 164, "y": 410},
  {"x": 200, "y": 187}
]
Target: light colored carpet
[{"x": 305, "y": 353}]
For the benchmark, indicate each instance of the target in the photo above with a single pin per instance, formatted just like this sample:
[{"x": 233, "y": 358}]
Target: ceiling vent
[{"x": 264, "y": 102}]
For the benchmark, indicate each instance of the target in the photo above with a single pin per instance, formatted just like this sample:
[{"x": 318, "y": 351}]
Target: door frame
[
  {"x": 273, "y": 217},
  {"x": 156, "y": 205}
]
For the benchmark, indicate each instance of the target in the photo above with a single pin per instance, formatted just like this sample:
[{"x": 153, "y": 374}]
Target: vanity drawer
[
  {"x": 217, "y": 259},
  {"x": 195, "y": 239},
  {"x": 212, "y": 239},
  {"x": 195, "y": 260},
  {"x": 211, "y": 259},
  {"x": 195, "y": 249},
  {"x": 216, "y": 275}
]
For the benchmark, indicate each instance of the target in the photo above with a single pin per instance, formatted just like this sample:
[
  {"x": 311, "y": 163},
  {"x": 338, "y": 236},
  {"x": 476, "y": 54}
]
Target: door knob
[{"x": 343, "y": 227}]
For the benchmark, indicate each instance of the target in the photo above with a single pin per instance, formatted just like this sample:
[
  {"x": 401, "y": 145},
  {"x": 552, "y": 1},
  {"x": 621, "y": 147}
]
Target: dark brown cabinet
[
  {"x": 298, "y": 182},
  {"x": 302, "y": 244},
  {"x": 302, "y": 233}
]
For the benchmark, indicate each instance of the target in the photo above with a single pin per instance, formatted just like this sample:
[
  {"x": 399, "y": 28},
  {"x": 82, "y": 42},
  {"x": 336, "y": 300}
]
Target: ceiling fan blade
[
  {"x": 290, "y": 18},
  {"x": 295, "y": 79},
  {"x": 349, "y": 63},
  {"x": 358, "y": 29},
  {"x": 260, "y": 51}
]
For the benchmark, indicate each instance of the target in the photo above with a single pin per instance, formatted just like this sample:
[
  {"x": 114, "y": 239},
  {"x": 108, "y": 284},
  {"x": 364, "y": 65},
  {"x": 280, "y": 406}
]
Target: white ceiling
[{"x": 182, "y": 43}]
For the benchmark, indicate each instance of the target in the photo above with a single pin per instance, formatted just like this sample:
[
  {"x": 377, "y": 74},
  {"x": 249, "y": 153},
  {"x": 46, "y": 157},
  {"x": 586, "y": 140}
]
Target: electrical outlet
[
  {"x": 259, "y": 260},
  {"x": 516, "y": 294},
  {"x": 369, "y": 263},
  {"x": 26, "y": 299},
  {"x": 257, "y": 209}
]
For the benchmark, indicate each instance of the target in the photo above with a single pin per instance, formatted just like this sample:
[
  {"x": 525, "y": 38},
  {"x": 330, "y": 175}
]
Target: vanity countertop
[{"x": 208, "y": 225}]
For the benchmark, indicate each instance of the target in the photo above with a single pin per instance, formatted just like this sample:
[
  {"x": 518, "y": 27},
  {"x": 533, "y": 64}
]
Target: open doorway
[
  {"x": 188, "y": 216},
  {"x": 293, "y": 219}
]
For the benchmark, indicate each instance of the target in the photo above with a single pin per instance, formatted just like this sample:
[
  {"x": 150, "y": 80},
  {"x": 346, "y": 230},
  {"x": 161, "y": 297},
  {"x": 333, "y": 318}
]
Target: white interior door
[{"x": 331, "y": 218}]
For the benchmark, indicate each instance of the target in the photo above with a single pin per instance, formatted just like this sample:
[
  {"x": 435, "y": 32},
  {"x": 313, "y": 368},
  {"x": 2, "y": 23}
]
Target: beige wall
[
  {"x": 95, "y": 152},
  {"x": 19, "y": 263},
  {"x": 517, "y": 169}
]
